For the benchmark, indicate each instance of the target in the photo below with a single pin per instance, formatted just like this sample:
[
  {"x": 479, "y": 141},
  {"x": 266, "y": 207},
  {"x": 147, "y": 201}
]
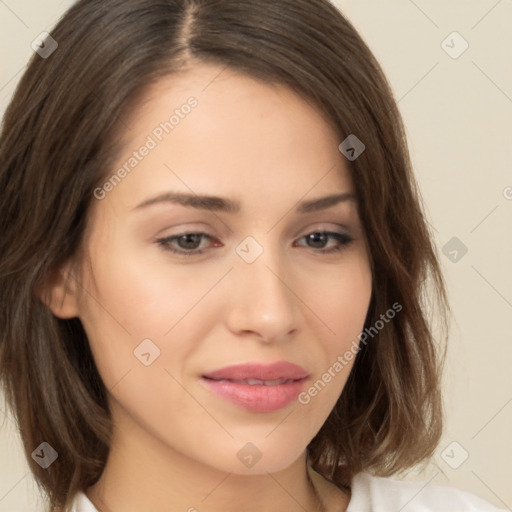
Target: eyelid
[
  {"x": 312, "y": 228},
  {"x": 343, "y": 240}
]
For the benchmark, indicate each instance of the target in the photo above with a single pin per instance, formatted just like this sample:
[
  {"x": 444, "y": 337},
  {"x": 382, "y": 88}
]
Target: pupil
[
  {"x": 318, "y": 237},
  {"x": 188, "y": 243}
]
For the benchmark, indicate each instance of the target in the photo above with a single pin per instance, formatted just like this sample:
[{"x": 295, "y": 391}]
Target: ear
[{"x": 59, "y": 292}]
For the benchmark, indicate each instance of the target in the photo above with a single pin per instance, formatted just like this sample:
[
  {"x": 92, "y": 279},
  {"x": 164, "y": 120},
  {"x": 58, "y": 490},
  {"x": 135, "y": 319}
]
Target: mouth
[
  {"x": 259, "y": 372},
  {"x": 255, "y": 382},
  {"x": 257, "y": 387}
]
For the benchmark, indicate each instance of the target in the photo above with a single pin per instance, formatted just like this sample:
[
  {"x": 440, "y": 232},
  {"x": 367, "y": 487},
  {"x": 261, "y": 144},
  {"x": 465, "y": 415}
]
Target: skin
[{"x": 175, "y": 443}]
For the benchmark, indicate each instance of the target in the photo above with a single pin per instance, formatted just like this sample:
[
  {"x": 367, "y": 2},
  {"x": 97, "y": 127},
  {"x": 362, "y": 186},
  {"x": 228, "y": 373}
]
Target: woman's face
[{"x": 254, "y": 283}]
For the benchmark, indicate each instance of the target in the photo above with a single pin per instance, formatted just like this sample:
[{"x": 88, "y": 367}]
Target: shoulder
[
  {"x": 81, "y": 503},
  {"x": 379, "y": 494}
]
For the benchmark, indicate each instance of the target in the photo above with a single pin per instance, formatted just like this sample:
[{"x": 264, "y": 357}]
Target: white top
[{"x": 378, "y": 494}]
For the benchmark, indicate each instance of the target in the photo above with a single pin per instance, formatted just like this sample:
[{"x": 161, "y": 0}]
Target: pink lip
[
  {"x": 278, "y": 370},
  {"x": 257, "y": 397}
]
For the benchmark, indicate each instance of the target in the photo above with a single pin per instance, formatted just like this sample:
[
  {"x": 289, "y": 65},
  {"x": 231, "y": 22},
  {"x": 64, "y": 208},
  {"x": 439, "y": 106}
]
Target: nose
[{"x": 262, "y": 302}]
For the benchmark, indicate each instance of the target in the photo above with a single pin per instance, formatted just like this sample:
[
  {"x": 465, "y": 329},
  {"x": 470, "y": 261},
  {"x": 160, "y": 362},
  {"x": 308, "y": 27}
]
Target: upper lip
[{"x": 260, "y": 371}]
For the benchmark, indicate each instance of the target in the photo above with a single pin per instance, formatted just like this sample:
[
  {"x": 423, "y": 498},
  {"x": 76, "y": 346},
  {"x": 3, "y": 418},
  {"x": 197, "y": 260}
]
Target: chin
[{"x": 258, "y": 457}]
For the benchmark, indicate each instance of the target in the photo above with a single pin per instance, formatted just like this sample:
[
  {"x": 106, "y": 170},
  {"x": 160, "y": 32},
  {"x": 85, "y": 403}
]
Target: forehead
[
  {"x": 230, "y": 100},
  {"x": 241, "y": 136}
]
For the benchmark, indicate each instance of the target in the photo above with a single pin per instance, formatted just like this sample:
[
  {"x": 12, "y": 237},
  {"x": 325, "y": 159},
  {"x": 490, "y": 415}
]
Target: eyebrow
[{"x": 221, "y": 204}]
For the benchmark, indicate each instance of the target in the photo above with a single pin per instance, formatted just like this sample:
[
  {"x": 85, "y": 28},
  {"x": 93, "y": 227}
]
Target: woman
[{"x": 214, "y": 260}]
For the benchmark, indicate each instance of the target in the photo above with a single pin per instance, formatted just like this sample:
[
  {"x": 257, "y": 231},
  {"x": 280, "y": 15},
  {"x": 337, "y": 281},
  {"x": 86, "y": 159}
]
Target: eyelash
[{"x": 343, "y": 239}]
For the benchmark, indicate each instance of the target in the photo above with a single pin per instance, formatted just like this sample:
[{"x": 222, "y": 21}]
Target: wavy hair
[{"x": 59, "y": 137}]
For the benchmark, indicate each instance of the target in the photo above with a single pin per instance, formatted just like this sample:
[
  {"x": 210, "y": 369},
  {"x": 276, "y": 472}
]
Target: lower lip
[{"x": 257, "y": 398}]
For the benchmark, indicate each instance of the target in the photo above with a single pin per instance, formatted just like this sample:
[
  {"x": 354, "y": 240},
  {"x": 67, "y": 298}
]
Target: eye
[
  {"x": 187, "y": 244},
  {"x": 320, "y": 238}
]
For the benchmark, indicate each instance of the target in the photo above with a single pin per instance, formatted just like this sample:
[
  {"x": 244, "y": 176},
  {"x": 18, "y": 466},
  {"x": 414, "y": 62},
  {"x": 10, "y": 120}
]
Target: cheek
[
  {"x": 128, "y": 301},
  {"x": 342, "y": 307},
  {"x": 145, "y": 299},
  {"x": 344, "y": 297}
]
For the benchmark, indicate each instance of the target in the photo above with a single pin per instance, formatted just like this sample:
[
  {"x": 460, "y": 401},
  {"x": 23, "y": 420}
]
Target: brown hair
[{"x": 59, "y": 137}]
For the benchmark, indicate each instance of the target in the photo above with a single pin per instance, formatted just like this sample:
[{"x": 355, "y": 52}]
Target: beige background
[{"x": 458, "y": 114}]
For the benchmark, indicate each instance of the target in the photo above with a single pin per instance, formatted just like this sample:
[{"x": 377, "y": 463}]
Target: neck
[{"x": 142, "y": 474}]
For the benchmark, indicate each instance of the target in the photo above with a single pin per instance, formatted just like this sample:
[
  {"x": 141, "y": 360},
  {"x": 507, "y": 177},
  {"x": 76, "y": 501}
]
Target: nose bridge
[{"x": 262, "y": 300}]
